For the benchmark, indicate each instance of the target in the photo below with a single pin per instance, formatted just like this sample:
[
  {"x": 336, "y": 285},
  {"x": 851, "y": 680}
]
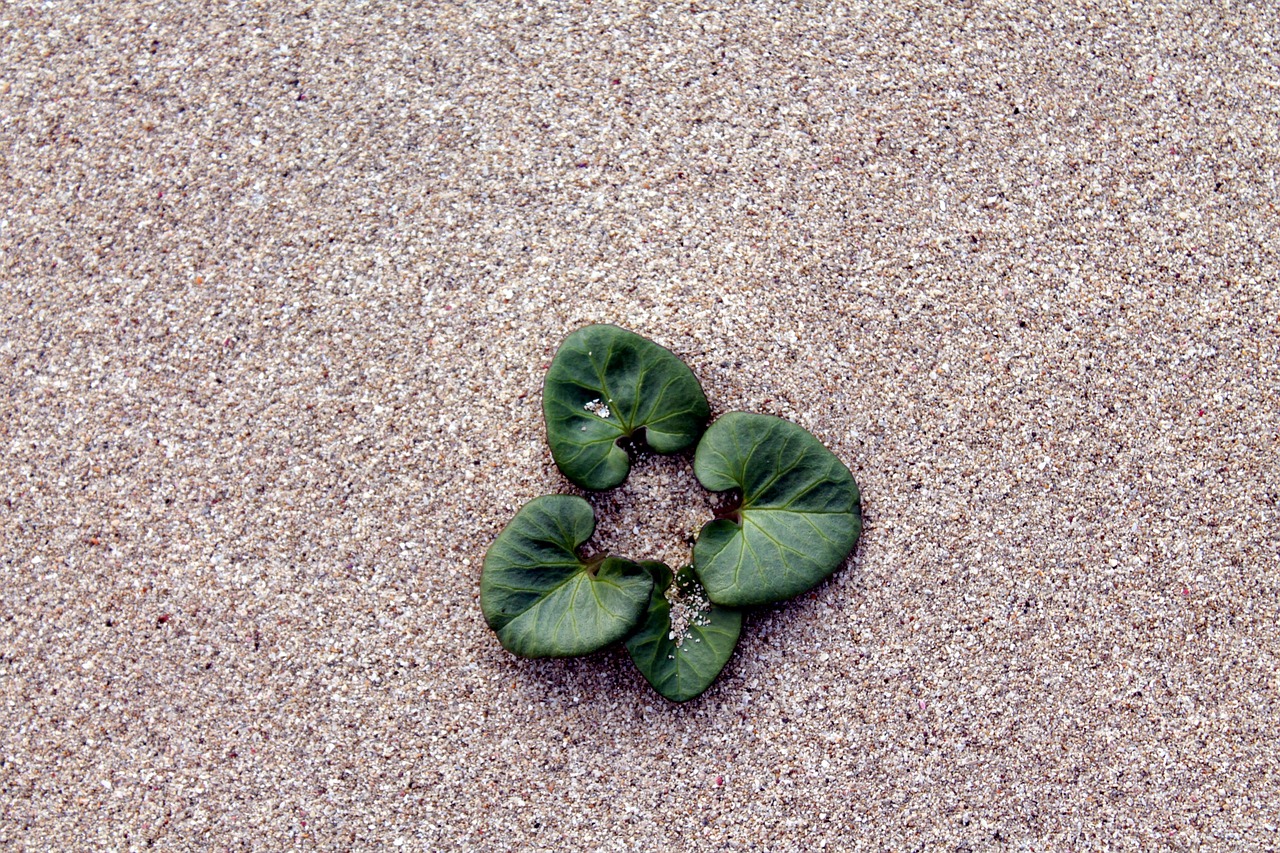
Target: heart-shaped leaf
[
  {"x": 542, "y": 599},
  {"x": 685, "y": 640},
  {"x": 798, "y": 517},
  {"x": 606, "y": 385}
]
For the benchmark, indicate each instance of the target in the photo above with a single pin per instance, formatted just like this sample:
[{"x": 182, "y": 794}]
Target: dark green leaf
[
  {"x": 799, "y": 516},
  {"x": 607, "y": 384},
  {"x": 681, "y": 667},
  {"x": 542, "y": 599}
]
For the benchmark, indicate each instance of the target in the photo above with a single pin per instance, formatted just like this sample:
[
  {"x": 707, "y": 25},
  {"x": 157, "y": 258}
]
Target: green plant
[{"x": 791, "y": 516}]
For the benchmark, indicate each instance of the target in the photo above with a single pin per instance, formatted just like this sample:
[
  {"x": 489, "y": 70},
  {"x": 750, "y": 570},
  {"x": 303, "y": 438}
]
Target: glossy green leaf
[
  {"x": 798, "y": 518},
  {"x": 606, "y": 385},
  {"x": 542, "y": 599},
  {"x": 681, "y": 666}
]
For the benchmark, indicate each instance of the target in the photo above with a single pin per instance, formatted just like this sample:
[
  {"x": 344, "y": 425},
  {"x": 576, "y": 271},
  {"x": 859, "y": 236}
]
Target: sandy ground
[{"x": 279, "y": 286}]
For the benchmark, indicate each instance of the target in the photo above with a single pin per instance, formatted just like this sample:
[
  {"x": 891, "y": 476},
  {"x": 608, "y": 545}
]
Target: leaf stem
[
  {"x": 591, "y": 562},
  {"x": 730, "y": 507}
]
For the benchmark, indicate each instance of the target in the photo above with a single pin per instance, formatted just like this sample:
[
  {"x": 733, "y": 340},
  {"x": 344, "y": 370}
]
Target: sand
[{"x": 278, "y": 287}]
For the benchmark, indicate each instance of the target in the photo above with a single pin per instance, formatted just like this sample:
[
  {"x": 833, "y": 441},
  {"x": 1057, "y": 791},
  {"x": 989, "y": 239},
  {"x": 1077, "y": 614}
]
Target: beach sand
[{"x": 279, "y": 284}]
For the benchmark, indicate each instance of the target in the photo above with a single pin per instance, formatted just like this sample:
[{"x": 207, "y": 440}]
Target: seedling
[{"x": 790, "y": 516}]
